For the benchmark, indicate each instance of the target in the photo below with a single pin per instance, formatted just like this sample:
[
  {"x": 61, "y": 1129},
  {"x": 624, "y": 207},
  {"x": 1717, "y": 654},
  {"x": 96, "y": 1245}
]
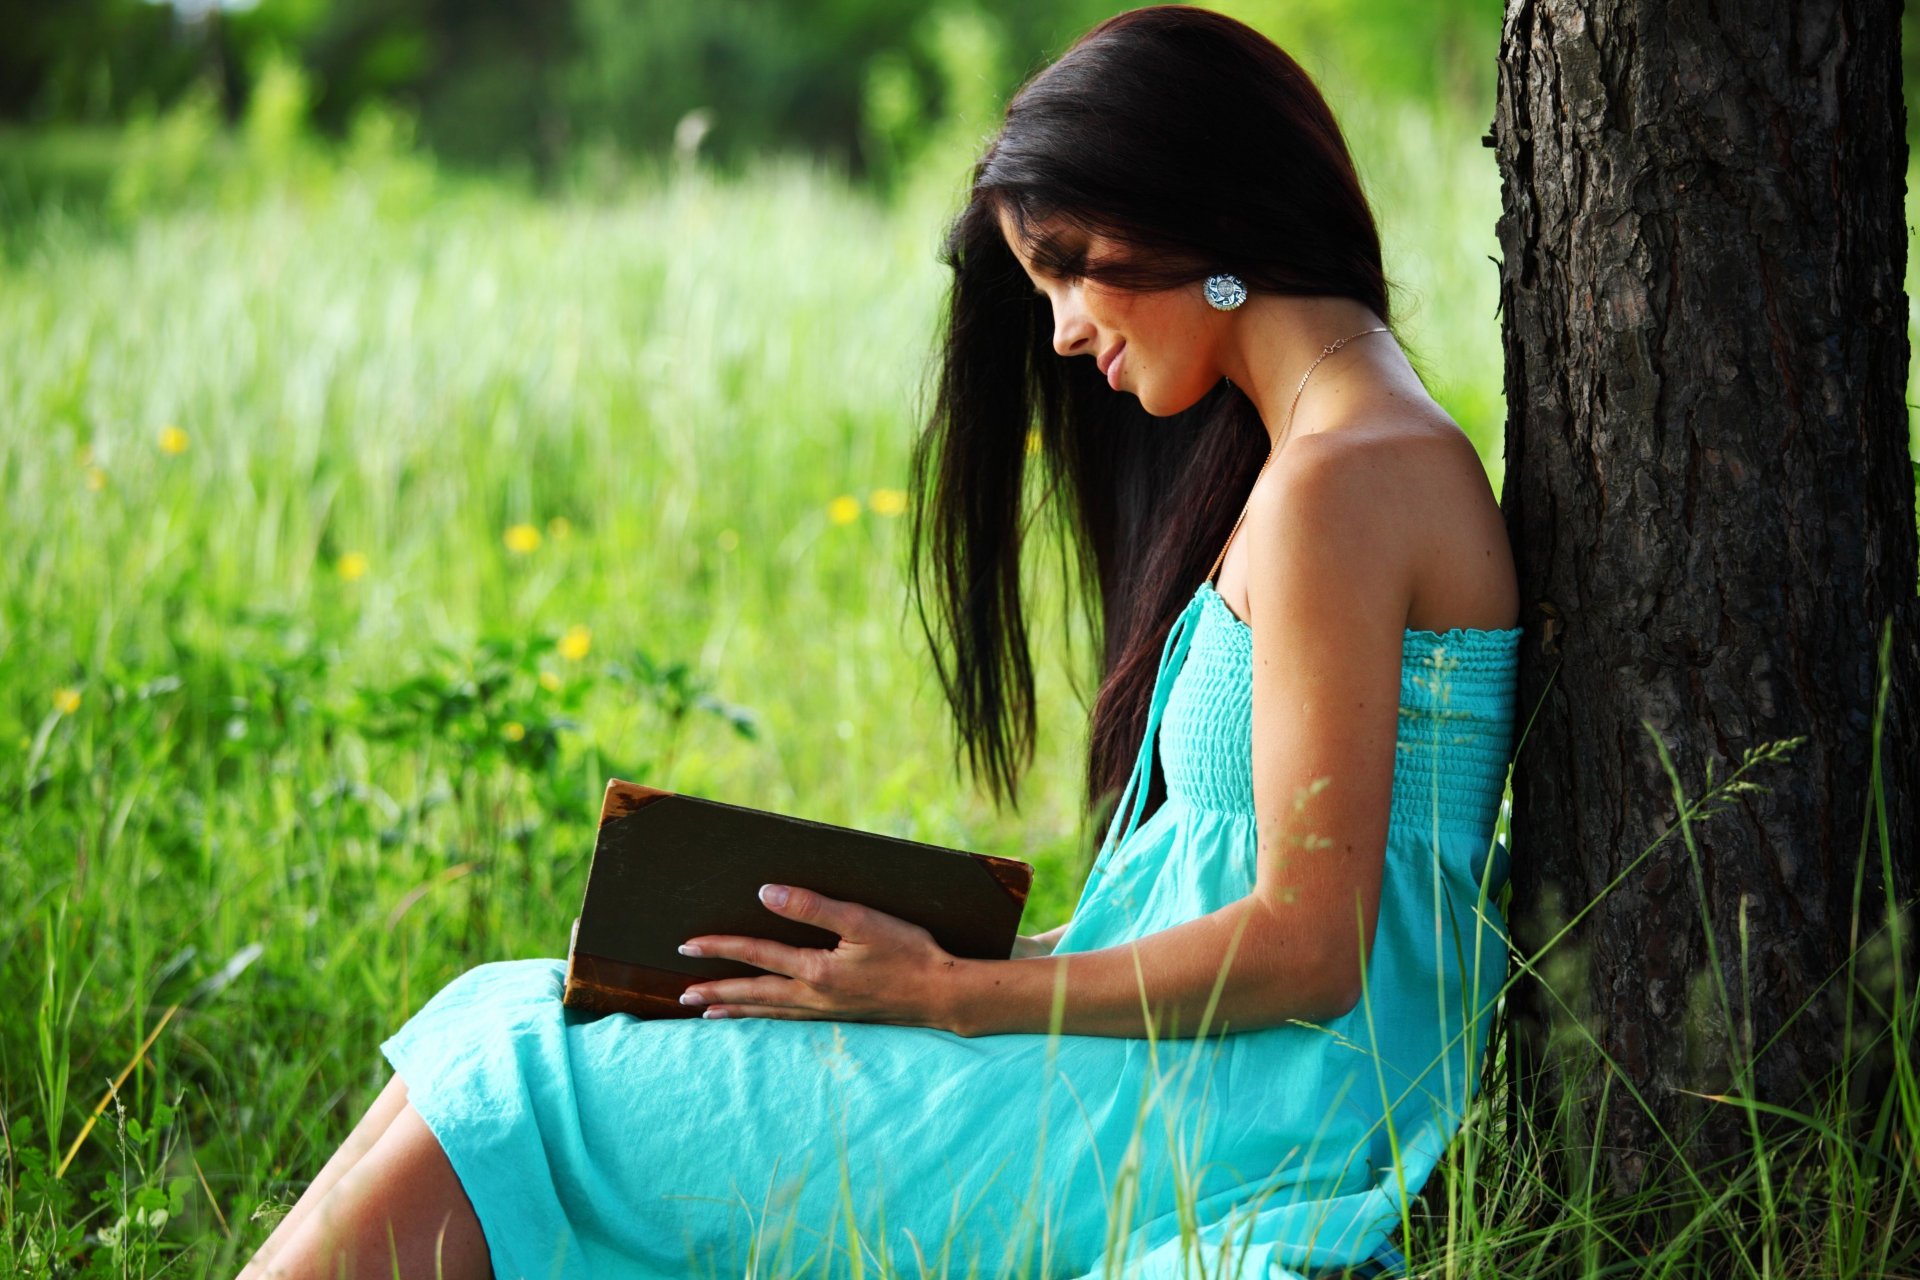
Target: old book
[{"x": 667, "y": 867}]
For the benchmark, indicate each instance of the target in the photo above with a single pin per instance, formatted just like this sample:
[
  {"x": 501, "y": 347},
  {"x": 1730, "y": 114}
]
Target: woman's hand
[{"x": 885, "y": 969}]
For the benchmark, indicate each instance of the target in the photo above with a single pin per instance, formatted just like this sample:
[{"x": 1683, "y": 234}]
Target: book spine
[{"x": 598, "y": 984}]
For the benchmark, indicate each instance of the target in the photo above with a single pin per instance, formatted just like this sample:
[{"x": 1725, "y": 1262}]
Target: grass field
[{"x": 359, "y": 525}]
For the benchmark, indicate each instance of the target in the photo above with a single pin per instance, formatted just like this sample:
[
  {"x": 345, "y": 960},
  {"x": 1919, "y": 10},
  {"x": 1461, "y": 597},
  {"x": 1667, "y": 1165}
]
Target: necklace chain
[{"x": 1325, "y": 351}]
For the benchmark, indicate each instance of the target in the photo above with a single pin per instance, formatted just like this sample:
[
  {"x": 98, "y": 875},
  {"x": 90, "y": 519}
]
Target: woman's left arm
[{"x": 1328, "y": 596}]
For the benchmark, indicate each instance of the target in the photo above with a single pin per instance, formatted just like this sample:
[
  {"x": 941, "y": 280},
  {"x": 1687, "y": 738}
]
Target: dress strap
[
  {"x": 1244, "y": 507},
  {"x": 1221, "y": 558},
  {"x": 1133, "y": 799}
]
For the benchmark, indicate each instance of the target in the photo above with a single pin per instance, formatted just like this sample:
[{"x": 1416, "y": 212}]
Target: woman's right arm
[{"x": 1040, "y": 944}]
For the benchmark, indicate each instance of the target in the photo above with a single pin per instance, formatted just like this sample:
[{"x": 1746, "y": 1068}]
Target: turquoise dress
[{"x": 613, "y": 1148}]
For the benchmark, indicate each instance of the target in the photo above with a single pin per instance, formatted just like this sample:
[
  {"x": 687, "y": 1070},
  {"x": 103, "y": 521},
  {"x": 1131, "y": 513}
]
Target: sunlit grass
[{"x": 351, "y": 549}]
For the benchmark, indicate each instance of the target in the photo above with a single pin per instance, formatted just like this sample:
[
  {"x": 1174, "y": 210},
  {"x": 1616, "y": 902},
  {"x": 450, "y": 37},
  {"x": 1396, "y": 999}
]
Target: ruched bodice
[
  {"x": 1206, "y": 738},
  {"x": 1456, "y": 708}
]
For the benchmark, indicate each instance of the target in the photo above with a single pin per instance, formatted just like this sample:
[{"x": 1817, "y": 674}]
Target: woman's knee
[{"x": 402, "y": 1204}]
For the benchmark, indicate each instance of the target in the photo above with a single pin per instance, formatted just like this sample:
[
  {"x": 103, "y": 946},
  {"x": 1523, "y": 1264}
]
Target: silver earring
[{"x": 1224, "y": 292}]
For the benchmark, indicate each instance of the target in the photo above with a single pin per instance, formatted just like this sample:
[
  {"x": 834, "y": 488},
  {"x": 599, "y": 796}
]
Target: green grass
[{"x": 287, "y": 802}]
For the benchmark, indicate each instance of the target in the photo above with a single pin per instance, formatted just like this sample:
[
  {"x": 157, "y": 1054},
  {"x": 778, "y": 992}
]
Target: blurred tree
[
  {"x": 482, "y": 76},
  {"x": 794, "y": 74},
  {"x": 866, "y": 83},
  {"x": 869, "y": 82},
  {"x": 93, "y": 61},
  {"x": 1444, "y": 51},
  {"x": 767, "y": 72}
]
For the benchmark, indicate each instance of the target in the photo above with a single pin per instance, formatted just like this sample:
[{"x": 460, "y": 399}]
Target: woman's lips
[{"x": 1113, "y": 367}]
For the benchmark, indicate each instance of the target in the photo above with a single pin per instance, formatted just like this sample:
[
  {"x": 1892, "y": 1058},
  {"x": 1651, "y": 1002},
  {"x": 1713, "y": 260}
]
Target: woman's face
[{"x": 1162, "y": 345}]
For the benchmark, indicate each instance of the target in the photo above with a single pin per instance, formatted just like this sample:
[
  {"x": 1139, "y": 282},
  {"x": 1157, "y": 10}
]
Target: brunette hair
[{"x": 1201, "y": 146}]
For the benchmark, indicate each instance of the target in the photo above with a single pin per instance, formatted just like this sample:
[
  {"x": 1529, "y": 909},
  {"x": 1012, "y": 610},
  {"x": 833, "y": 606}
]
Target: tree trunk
[{"x": 1710, "y": 498}]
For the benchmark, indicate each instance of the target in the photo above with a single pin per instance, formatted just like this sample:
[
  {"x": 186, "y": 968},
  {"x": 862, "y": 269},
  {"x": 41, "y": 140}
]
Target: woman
[{"x": 1273, "y": 993}]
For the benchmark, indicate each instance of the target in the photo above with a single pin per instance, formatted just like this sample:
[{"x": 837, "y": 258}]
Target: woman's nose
[{"x": 1072, "y": 330}]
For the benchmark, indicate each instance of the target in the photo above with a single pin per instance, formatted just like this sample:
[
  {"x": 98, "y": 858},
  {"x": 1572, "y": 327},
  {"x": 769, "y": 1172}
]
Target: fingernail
[
  {"x": 714, "y": 1013},
  {"x": 774, "y": 895},
  {"x": 690, "y": 949},
  {"x": 692, "y": 997}
]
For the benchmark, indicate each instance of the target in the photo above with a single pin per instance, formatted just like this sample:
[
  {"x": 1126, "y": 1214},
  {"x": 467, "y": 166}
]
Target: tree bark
[{"x": 1712, "y": 507}]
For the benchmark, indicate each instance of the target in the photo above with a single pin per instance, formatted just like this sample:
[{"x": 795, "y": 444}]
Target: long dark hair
[{"x": 1201, "y": 146}]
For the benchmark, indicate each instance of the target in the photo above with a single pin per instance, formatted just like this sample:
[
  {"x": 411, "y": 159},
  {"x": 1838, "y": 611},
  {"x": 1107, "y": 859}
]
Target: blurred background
[
  {"x": 413, "y": 413},
  {"x": 521, "y": 84},
  {"x": 354, "y": 327}
]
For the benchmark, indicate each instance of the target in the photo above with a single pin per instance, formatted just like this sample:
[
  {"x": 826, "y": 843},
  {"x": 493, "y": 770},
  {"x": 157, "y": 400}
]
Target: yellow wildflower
[
  {"x": 574, "y": 644},
  {"x": 172, "y": 439},
  {"x": 96, "y": 479},
  {"x": 550, "y": 682},
  {"x": 66, "y": 701},
  {"x": 522, "y": 539},
  {"x": 513, "y": 731},
  {"x": 559, "y": 528},
  {"x": 887, "y": 502},
  {"x": 352, "y": 566},
  {"x": 844, "y": 509}
]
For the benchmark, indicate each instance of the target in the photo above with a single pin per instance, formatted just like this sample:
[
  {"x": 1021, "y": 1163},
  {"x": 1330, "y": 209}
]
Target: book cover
[{"x": 667, "y": 867}]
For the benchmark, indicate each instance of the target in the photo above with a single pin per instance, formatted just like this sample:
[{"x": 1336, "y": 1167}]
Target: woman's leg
[
  {"x": 372, "y": 1125},
  {"x": 398, "y": 1205}
]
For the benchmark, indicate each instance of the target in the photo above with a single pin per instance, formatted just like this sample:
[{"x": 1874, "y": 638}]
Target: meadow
[{"x": 360, "y": 521}]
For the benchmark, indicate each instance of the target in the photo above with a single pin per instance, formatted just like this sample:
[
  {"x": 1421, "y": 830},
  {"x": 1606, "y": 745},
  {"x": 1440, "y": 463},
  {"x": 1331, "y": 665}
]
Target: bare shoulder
[
  {"x": 1380, "y": 475},
  {"x": 1402, "y": 500}
]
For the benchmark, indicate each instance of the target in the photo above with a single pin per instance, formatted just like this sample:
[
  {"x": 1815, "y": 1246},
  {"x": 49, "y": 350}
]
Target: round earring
[{"x": 1224, "y": 292}]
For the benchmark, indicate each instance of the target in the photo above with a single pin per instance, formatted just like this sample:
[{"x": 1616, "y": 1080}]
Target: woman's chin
[{"x": 1158, "y": 405}]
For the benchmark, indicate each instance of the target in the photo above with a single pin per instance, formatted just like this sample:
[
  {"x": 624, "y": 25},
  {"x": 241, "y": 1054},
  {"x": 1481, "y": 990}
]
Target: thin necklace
[{"x": 1325, "y": 351}]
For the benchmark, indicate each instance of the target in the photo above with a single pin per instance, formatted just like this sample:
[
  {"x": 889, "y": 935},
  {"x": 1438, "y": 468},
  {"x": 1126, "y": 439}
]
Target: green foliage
[
  {"x": 123, "y": 1232},
  {"x": 91, "y": 61},
  {"x": 929, "y": 106},
  {"x": 365, "y": 522},
  {"x": 1438, "y": 52},
  {"x": 188, "y": 156},
  {"x": 861, "y": 84},
  {"x": 168, "y": 156}
]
